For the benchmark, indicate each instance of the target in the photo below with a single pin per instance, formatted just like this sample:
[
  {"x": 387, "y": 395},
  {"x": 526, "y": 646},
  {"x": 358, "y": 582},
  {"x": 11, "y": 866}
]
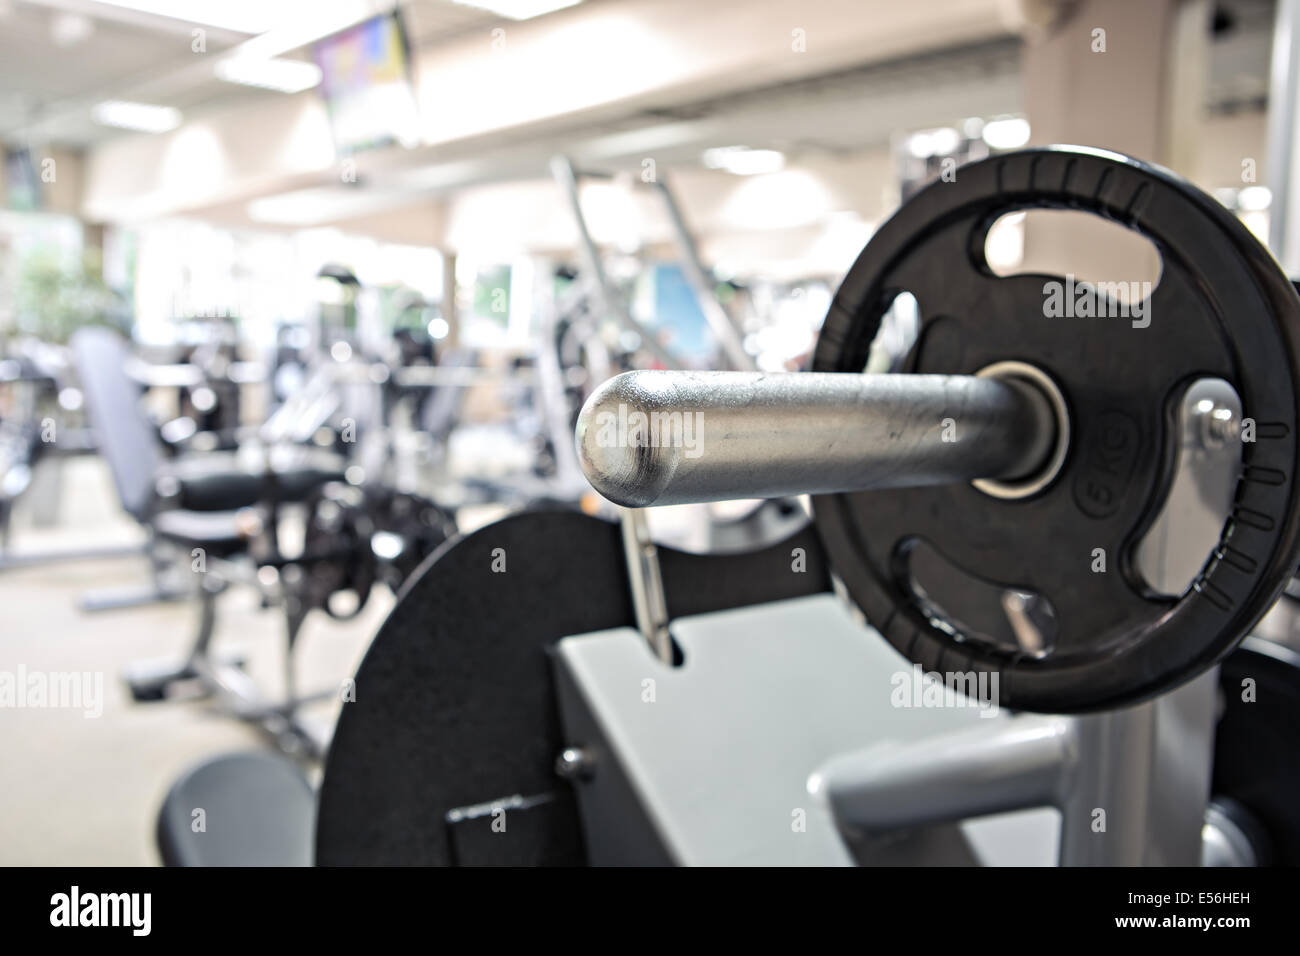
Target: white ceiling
[
  {"x": 47, "y": 88},
  {"x": 46, "y": 92},
  {"x": 838, "y": 113}
]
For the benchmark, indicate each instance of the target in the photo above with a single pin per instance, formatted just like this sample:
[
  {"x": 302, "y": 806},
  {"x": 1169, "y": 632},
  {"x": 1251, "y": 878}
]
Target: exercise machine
[{"x": 557, "y": 689}]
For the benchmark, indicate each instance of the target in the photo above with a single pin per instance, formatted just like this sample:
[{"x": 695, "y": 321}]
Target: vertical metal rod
[
  {"x": 449, "y": 306},
  {"x": 1283, "y": 101},
  {"x": 648, "y": 600},
  {"x": 554, "y": 404},
  {"x": 721, "y": 321},
  {"x": 609, "y": 300}
]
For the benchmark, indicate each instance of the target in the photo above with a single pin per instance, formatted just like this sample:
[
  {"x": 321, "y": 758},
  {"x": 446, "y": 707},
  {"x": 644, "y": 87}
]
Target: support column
[
  {"x": 450, "y": 311},
  {"x": 1283, "y": 157},
  {"x": 1115, "y": 75}
]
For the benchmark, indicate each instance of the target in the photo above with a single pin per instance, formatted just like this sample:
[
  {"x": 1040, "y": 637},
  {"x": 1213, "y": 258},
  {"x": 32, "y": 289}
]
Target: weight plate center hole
[{"x": 1057, "y": 413}]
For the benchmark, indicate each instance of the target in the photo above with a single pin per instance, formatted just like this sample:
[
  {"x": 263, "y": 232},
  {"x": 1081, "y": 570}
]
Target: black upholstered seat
[
  {"x": 258, "y": 810},
  {"x": 216, "y": 482},
  {"x": 129, "y": 443},
  {"x": 216, "y": 532}
]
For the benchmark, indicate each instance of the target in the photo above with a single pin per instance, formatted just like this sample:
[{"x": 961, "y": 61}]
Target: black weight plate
[
  {"x": 336, "y": 552},
  {"x": 454, "y": 701},
  {"x": 1222, "y": 309},
  {"x": 1257, "y": 744},
  {"x": 420, "y": 522}
]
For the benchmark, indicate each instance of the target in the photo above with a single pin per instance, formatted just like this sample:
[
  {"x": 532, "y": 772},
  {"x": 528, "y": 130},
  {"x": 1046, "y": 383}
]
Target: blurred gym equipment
[
  {"x": 188, "y": 502},
  {"x": 555, "y": 689},
  {"x": 726, "y": 331},
  {"x": 213, "y": 523},
  {"x": 39, "y": 426}
]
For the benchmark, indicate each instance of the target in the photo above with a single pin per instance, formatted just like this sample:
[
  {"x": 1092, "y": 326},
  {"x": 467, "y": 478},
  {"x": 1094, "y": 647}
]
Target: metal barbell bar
[{"x": 667, "y": 437}]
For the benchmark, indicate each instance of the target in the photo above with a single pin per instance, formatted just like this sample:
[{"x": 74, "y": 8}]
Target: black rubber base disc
[
  {"x": 1257, "y": 744},
  {"x": 455, "y": 710},
  {"x": 1221, "y": 309}
]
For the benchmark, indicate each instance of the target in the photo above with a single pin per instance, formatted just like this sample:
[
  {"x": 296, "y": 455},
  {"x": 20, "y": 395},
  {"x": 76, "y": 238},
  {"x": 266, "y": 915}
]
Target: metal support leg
[
  {"x": 28, "y": 559},
  {"x": 226, "y": 680},
  {"x": 280, "y": 718},
  {"x": 1132, "y": 785},
  {"x": 150, "y": 680},
  {"x": 1104, "y": 791},
  {"x": 982, "y": 769},
  {"x": 160, "y": 591}
]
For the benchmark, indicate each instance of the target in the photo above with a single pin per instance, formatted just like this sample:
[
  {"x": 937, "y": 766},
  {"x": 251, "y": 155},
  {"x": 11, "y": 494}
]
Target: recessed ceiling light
[
  {"x": 934, "y": 142},
  {"x": 283, "y": 76},
  {"x": 142, "y": 117},
  {"x": 1006, "y": 133},
  {"x": 519, "y": 9},
  {"x": 743, "y": 161},
  {"x": 69, "y": 29}
]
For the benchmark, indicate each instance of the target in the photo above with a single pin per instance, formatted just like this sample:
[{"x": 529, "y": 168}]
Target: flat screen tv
[{"x": 367, "y": 84}]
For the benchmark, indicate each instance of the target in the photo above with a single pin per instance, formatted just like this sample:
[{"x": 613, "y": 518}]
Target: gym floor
[{"x": 85, "y": 791}]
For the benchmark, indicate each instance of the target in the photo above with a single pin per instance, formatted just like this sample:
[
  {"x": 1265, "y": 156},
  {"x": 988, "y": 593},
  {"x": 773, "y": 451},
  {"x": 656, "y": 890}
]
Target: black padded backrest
[
  {"x": 125, "y": 436},
  {"x": 258, "y": 810}
]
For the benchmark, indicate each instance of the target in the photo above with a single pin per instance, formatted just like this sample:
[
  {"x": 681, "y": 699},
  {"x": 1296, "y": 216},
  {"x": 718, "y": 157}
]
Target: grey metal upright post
[
  {"x": 723, "y": 324},
  {"x": 1104, "y": 792},
  {"x": 552, "y": 399},
  {"x": 1283, "y": 101},
  {"x": 603, "y": 291}
]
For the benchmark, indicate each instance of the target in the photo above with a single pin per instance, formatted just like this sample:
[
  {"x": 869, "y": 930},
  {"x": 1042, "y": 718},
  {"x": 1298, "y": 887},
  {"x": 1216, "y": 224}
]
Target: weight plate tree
[{"x": 1222, "y": 308}]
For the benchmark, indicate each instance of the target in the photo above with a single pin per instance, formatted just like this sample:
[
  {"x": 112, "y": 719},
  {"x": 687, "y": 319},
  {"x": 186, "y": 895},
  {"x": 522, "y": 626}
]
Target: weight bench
[
  {"x": 148, "y": 484},
  {"x": 208, "y": 505}
]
